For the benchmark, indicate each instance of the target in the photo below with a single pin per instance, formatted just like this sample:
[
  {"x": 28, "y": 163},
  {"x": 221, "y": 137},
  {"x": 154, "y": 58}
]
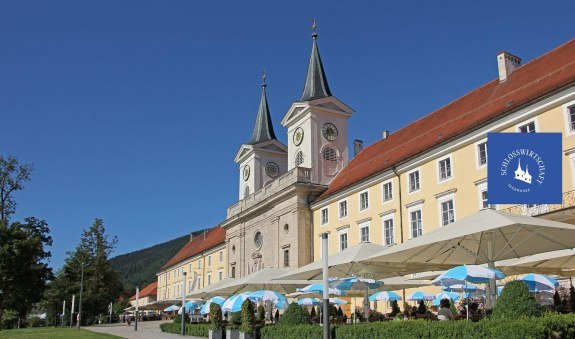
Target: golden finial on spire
[
  {"x": 264, "y": 76},
  {"x": 313, "y": 26}
]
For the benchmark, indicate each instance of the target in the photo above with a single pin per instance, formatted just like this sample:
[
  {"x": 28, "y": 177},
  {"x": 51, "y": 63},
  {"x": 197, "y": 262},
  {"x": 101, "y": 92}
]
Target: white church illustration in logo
[{"x": 522, "y": 175}]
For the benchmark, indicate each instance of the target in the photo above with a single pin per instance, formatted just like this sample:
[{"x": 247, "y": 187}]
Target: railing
[
  {"x": 568, "y": 201},
  {"x": 298, "y": 174}
]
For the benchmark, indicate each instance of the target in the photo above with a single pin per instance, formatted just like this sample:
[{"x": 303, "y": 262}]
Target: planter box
[
  {"x": 247, "y": 336},
  {"x": 217, "y": 334},
  {"x": 232, "y": 334}
]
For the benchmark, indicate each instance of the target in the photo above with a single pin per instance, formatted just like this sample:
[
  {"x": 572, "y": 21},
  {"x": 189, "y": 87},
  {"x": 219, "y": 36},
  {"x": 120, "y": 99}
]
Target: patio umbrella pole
[
  {"x": 324, "y": 249},
  {"x": 183, "y": 329}
]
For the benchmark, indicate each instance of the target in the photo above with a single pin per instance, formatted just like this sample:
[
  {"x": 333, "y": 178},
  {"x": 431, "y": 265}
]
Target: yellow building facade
[
  {"x": 446, "y": 182},
  {"x": 203, "y": 259}
]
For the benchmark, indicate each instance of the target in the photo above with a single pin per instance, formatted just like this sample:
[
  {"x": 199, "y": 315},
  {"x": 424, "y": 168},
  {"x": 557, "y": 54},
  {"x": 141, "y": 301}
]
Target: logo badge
[{"x": 524, "y": 168}]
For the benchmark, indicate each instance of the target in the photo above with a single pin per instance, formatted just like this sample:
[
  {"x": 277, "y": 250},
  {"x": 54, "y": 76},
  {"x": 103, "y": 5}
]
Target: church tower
[
  {"x": 317, "y": 125},
  {"x": 263, "y": 158}
]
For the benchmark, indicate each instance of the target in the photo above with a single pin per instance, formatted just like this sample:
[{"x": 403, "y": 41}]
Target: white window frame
[
  {"x": 440, "y": 202},
  {"x": 339, "y": 209},
  {"x": 339, "y": 234},
  {"x": 359, "y": 200},
  {"x": 362, "y": 225},
  {"x": 390, "y": 182},
  {"x": 568, "y": 130},
  {"x": 209, "y": 280},
  {"x": 284, "y": 251},
  {"x": 220, "y": 275},
  {"x": 572, "y": 168},
  {"x": 438, "y": 166},
  {"x": 417, "y": 207},
  {"x": 324, "y": 216},
  {"x": 527, "y": 122},
  {"x": 384, "y": 218},
  {"x": 408, "y": 181},
  {"x": 478, "y": 165}
]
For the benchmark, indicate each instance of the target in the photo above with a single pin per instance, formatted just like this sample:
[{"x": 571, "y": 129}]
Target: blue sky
[{"x": 132, "y": 111}]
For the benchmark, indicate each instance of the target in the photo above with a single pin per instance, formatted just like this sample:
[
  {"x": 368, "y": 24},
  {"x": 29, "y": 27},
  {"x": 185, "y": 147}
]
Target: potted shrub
[
  {"x": 232, "y": 330},
  {"x": 295, "y": 315},
  {"x": 247, "y": 330},
  {"x": 516, "y": 301},
  {"x": 261, "y": 315},
  {"x": 217, "y": 325}
]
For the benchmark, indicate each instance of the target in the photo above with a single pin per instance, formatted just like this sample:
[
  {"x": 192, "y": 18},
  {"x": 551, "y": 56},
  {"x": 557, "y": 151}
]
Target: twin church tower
[
  {"x": 317, "y": 135},
  {"x": 272, "y": 225}
]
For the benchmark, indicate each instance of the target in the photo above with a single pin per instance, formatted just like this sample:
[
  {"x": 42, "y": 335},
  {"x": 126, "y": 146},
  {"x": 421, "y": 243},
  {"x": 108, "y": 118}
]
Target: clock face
[
  {"x": 246, "y": 172},
  {"x": 272, "y": 169},
  {"x": 298, "y": 136},
  {"x": 329, "y": 131}
]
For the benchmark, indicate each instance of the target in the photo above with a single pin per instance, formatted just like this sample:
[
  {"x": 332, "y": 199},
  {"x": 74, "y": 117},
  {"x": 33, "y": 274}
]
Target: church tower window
[
  {"x": 299, "y": 158},
  {"x": 329, "y": 154}
]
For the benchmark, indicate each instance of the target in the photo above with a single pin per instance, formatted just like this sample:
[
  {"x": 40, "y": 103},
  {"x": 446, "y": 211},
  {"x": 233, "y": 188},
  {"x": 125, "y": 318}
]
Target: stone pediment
[{"x": 329, "y": 105}]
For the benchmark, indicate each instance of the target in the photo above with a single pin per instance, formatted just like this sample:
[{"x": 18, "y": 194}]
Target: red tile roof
[
  {"x": 529, "y": 82},
  {"x": 214, "y": 237},
  {"x": 150, "y": 290}
]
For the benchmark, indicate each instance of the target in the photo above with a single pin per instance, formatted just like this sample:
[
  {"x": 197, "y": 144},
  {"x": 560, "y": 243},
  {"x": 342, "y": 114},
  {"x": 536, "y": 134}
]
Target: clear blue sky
[{"x": 132, "y": 111}]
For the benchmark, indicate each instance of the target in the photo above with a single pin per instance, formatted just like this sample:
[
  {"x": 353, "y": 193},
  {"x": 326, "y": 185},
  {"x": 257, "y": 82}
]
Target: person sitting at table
[{"x": 444, "y": 312}]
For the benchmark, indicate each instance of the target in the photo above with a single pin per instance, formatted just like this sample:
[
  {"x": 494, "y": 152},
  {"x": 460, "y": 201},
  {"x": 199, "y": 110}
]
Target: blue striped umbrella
[
  {"x": 267, "y": 295},
  {"x": 215, "y": 300},
  {"x": 539, "y": 282},
  {"x": 318, "y": 288},
  {"x": 355, "y": 283},
  {"x": 462, "y": 288},
  {"x": 445, "y": 295},
  {"x": 234, "y": 303},
  {"x": 385, "y": 295},
  {"x": 309, "y": 302},
  {"x": 337, "y": 301},
  {"x": 282, "y": 305},
  {"x": 172, "y": 308},
  {"x": 467, "y": 273},
  {"x": 421, "y": 295}
]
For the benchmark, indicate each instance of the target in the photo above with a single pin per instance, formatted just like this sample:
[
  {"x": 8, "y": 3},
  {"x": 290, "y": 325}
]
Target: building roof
[
  {"x": 214, "y": 237},
  {"x": 150, "y": 290},
  {"x": 529, "y": 82},
  {"x": 316, "y": 86},
  {"x": 263, "y": 128}
]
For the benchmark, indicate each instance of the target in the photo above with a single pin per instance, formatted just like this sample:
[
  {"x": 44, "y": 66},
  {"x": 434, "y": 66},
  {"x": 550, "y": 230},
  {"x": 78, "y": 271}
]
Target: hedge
[
  {"x": 548, "y": 326},
  {"x": 197, "y": 330},
  {"x": 294, "y": 332}
]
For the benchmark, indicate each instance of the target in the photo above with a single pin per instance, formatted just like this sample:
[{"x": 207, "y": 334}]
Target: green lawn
[{"x": 52, "y": 332}]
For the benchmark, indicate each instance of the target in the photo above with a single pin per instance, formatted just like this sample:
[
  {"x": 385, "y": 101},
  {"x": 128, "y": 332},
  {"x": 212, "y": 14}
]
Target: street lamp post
[{"x": 80, "y": 303}]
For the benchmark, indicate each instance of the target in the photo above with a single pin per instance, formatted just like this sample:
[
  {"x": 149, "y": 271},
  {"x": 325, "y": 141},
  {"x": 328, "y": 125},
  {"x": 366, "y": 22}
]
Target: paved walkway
[{"x": 146, "y": 330}]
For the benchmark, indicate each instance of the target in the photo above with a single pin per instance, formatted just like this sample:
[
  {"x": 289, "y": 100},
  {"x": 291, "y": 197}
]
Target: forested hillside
[{"x": 139, "y": 268}]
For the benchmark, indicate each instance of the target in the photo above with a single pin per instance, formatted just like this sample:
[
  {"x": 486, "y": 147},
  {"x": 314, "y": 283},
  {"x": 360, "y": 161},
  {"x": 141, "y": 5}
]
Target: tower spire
[
  {"x": 316, "y": 86},
  {"x": 263, "y": 128}
]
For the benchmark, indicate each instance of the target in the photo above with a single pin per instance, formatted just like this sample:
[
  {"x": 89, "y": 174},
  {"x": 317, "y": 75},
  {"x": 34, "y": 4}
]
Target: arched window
[
  {"x": 299, "y": 158},
  {"x": 329, "y": 154}
]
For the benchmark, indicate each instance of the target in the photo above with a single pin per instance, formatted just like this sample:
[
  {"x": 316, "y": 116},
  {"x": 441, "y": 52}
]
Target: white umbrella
[
  {"x": 485, "y": 237},
  {"x": 352, "y": 261},
  {"x": 560, "y": 262},
  {"x": 261, "y": 280}
]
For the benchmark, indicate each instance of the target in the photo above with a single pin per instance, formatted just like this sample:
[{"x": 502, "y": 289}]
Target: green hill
[{"x": 139, "y": 268}]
